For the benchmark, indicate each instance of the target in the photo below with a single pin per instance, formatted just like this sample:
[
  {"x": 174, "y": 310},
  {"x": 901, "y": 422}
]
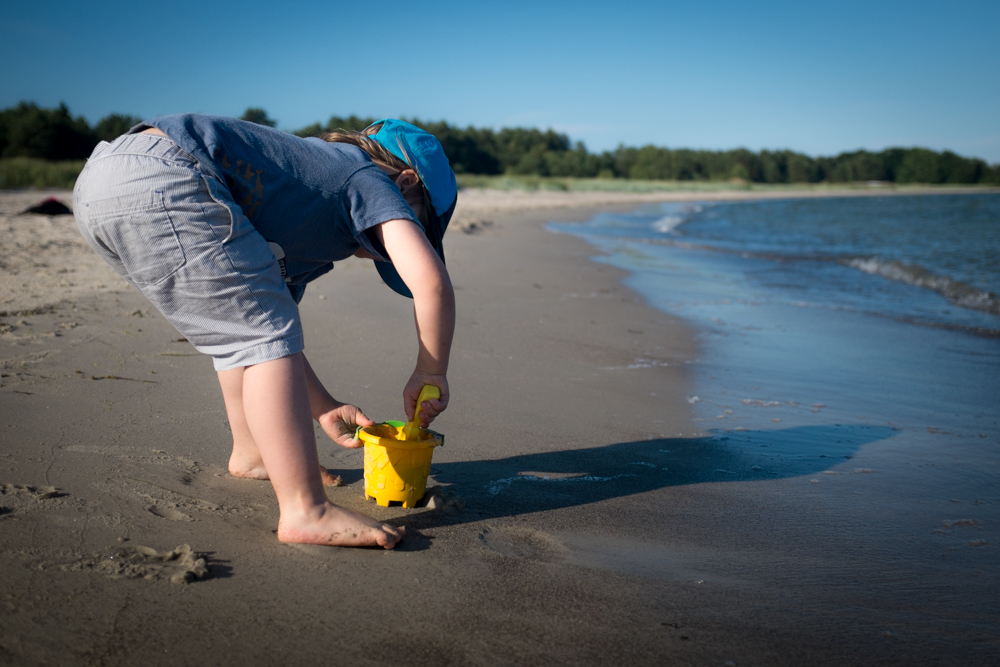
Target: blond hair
[{"x": 417, "y": 196}]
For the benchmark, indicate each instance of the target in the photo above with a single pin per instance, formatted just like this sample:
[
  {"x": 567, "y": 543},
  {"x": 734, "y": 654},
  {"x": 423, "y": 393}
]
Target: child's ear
[{"x": 407, "y": 179}]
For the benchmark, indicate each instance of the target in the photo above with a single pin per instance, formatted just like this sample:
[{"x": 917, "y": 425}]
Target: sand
[{"x": 581, "y": 518}]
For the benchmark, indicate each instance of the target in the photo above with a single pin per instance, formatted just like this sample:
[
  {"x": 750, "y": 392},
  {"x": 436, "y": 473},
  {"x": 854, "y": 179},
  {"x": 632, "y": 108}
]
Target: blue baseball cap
[{"x": 423, "y": 152}]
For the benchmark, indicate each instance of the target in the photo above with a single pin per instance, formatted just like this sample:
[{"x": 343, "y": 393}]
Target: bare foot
[
  {"x": 253, "y": 468},
  {"x": 335, "y": 526},
  {"x": 329, "y": 479},
  {"x": 241, "y": 465}
]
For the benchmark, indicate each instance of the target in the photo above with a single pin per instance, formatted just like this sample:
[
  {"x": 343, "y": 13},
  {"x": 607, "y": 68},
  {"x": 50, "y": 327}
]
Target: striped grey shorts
[{"x": 142, "y": 203}]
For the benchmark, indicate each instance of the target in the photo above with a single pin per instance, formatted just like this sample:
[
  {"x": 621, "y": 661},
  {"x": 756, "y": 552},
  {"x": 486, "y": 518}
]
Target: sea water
[{"x": 837, "y": 313}]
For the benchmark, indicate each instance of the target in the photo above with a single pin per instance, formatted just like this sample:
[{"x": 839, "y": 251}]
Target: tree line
[{"x": 28, "y": 130}]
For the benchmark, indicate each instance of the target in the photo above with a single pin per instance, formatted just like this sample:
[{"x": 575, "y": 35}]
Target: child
[{"x": 221, "y": 223}]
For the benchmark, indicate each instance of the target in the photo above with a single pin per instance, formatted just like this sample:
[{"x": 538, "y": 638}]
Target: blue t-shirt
[{"x": 313, "y": 199}]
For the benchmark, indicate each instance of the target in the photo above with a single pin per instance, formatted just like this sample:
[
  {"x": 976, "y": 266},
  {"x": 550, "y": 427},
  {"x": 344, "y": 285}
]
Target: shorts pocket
[{"x": 142, "y": 235}]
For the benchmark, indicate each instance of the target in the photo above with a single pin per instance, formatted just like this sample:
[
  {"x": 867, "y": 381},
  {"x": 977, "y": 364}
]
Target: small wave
[
  {"x": 498, "y": 486},
  {"x": 667, "y": 224},
  {"x": 954, "y": 290},
  {"x": 766, "y": 404}
]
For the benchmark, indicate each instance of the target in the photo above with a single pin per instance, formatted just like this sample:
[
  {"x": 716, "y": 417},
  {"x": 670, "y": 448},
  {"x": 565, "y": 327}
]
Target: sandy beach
[{"x": 557, "y": 538}]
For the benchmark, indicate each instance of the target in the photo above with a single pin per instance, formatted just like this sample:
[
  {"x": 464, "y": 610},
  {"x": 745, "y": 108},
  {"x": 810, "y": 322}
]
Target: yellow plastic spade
[
  {"x": 412, "y": 430},
  {"x": 396, "y": 464}
]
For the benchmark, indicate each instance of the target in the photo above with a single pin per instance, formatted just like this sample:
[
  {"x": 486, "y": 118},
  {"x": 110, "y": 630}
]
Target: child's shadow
[{"x": 560, "y": 479}]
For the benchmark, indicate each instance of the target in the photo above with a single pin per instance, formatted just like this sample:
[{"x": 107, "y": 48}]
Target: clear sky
[{"x": 820, "y": 78}]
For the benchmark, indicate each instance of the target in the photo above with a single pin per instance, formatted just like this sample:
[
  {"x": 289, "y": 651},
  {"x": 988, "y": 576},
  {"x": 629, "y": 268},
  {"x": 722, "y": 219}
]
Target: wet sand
[{"x": 597, "y": 528}]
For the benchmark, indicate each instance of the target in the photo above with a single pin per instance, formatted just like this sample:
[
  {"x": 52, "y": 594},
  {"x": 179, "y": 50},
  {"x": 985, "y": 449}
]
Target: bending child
[{"x": 221, "y": 223}]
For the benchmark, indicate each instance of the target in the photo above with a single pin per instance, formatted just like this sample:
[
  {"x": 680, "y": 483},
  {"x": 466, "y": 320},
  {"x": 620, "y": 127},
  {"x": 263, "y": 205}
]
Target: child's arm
[
  {"x": 339, "y": 420},
  {"x": 433, "y": 308}
]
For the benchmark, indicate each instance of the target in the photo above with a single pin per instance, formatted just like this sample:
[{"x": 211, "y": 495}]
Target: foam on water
[
  {"x": 912, "y": 274},
  {"x": 667, "y": 224},
  {"x": 500, "y": 485}
]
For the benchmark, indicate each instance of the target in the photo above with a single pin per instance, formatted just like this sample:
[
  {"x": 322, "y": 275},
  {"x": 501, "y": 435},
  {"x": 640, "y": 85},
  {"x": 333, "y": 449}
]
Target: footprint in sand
[
  {"x": 168, "y": 513},
  {"x": 181, "y": 565},
  {"x": 28, "y": 492},
  {"x": 522, "y": 543},
  {"x": 442, "y": 498},
  {"x": 17, "y": 498}
]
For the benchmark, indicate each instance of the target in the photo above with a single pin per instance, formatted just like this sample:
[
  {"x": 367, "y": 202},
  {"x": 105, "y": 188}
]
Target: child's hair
[{"x": 417, "y": 196}]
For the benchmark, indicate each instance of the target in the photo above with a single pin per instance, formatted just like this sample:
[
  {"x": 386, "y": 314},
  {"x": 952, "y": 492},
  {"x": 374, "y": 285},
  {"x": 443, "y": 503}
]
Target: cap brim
[{"x": 389, "y": 276}]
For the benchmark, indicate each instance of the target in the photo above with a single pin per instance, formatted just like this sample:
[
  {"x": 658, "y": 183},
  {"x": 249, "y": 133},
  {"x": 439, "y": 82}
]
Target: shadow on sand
[{"x": 569, "y": 478}]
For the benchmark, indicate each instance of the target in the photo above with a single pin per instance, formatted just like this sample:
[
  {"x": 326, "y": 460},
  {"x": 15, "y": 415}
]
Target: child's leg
[
  {"x": 245, "y": 460},
  {"x": 144, "y": 206},
  {"x": 277, "y": 413}
]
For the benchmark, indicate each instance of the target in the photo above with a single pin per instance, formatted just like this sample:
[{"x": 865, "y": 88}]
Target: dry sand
[{"x": 113, "y": 458}]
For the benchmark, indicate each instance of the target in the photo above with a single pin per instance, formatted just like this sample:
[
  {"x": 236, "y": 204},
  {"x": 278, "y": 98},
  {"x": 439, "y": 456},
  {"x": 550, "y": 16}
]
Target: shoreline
[{"x": 475, "y": 202}]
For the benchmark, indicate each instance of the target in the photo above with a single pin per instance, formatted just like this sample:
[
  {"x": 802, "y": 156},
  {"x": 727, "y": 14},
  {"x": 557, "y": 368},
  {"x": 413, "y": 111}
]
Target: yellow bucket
[{"x": 396, "y": 469}]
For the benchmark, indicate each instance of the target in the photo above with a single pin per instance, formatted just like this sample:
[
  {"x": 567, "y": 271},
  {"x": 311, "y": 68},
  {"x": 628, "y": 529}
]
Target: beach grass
[
  {"x": 563, "y": 184},
  {"x": 26, "y": 172}
]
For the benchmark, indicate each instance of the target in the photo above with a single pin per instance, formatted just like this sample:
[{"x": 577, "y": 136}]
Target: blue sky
[{"x": 716, "y": 75}]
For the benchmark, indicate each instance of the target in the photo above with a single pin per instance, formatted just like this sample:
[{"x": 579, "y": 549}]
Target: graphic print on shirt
[{"x": 244, "y": 184}]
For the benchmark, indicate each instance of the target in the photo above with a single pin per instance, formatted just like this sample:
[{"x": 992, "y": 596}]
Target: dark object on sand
[{"x": 50, "y": 206}]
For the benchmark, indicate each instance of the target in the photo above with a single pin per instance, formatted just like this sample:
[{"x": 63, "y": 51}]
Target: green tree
[
  {"x": 313, "y": 130},
  {"x": 50, "y": 134},
  {"x": 115, "y": 125},
  {"x": 855, "y": 166},
  {"x": 518, "y": 148},
  {"x": 576, "y": 163},
  {"x": 648, "y": 163},
  {"x": 801, "y": 168},
  {"x": 991, "y": 175},
  {"x": 350, "y": 123},
  {"x": 957, "y": 169},
  {"x": 530, "y": 151},
  {"x": 259, "y": 116},
  {"x": 920, "y": 165},
  {"x": 470, "y": 150}
]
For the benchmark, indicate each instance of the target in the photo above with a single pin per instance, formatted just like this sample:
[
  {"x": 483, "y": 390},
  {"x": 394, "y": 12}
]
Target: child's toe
[{"x": 389, "y": 536}]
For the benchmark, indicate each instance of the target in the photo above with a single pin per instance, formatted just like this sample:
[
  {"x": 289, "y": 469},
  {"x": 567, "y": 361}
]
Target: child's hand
[
  {"x": 429, "y": 409},
  {"x": 342, "y": 422}
]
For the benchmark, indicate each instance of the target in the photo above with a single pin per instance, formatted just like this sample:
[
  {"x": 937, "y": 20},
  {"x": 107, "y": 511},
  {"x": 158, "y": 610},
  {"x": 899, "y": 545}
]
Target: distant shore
[{"x": 475, "y": 205}]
